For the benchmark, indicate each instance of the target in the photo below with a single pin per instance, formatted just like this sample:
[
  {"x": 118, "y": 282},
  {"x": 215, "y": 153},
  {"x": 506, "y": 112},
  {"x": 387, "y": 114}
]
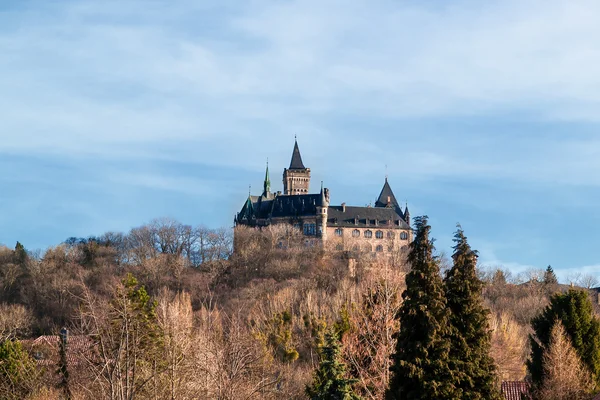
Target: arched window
[
  {"x": 379, "y": 235},
  {"x": 379, "y": 248},
  {"x": 355, "y": 247},
  {"x": 339, "y": 232},
  {"x": 404, "y": 236},
  {"x": 355, "y": 233},
  {"x": 390, "y": 235},
  {"x": 368, "y": 234},
  {"x": 339, "y": 247}
]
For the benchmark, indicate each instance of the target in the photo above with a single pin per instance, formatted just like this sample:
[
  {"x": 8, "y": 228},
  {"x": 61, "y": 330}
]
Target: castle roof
[
  {"x": 296, "y": 162},
  {"x": 386, "y": 197},
  {"x": 349, "y": 216},
  {"x": 282, "y": 206}
]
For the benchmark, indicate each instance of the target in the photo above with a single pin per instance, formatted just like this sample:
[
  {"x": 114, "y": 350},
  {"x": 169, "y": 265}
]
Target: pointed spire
[
  {"x": 267, "y": 183},
  {"x": 296, "y": 162},
  {"x": 407, "y": 214},
  {"x": 387, "y": 198}
]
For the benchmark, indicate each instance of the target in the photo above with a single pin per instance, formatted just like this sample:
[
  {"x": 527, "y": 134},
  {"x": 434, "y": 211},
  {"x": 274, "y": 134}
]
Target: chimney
[{"x": 343, "y": 207}]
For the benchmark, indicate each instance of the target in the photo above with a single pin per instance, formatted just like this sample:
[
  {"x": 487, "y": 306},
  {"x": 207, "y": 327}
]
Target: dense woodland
[{"x": 170, "y": 311}]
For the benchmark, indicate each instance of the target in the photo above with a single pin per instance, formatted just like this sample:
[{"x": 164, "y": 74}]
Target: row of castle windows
[{"x": 369, "y": 234}]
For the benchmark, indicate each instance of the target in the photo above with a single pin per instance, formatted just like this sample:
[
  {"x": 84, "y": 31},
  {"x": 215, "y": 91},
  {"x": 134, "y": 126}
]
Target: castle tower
[
  {"x": 322, "y": 214},
  {"x": 296, "y": 178}
]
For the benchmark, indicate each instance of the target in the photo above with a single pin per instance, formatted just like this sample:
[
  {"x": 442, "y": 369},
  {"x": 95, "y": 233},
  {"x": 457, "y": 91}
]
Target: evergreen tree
[
  {"x": 20, "y": 254},
  {"x": 18, "y": 374},
  {"x": 550, "y": 276},
  {"x": 574, "y": 310},
  {"x": 329, "y": 381},
  {"x": 471, "y": 335},
  {"x": 421, "y": 367}
]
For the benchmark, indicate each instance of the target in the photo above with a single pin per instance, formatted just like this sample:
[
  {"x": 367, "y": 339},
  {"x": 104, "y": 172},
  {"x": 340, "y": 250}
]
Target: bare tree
[
  {"x": 565, "y": 376},
  {"x": 15, "y": 321},
  {"x": 509, "y": 347}
]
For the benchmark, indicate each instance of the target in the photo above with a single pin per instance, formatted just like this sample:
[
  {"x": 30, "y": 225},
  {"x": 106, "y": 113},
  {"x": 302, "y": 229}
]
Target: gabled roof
[
  {"x": 385, "y": 195},
  {"x": 296, "y": 162},
  {"x": 45, "y": 349}
]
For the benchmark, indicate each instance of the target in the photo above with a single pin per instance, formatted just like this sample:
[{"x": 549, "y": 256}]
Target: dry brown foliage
[{"x": 565, "y": 376}]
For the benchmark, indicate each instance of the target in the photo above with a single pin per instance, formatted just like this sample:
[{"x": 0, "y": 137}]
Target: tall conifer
[
  {"x": 420, "y": 366},
  {"x": 471, "y": 335},
  {"x": 329, "y": 380},
  {"x": 574, "y": 310}
]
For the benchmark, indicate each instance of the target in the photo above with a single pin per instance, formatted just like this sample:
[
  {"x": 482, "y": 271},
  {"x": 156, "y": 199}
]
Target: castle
[{"x": 384, "y": 228}]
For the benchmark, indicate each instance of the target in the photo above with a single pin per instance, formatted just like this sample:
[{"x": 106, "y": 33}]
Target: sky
[{"x": 113, "y": 113}]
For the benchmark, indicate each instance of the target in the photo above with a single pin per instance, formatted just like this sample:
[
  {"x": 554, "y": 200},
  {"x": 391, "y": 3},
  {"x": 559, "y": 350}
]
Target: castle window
[
  {"x": 339, "y": 232},
  {"x": 355, "y": 247},
  {"x": 339, "y": 247},
  {"x": 404, "y": 236},
  {"x": 368, "y": 234},
  {"x": 379, "y": 249},
  {"x": 379, "y": 235},
  {"x": 310, "y": 229},
  {"x": 391, "y": 235},
  {"x": 355, "y": 233}
]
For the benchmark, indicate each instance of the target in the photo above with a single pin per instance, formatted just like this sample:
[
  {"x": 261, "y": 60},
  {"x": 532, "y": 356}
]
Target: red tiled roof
[
  {"x": 45, "y": 349},
  {"x": 514, "y": 390}
]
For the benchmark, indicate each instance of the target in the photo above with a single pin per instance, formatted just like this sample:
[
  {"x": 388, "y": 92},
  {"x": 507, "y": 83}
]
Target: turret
[{"x": 322, "y": 213}]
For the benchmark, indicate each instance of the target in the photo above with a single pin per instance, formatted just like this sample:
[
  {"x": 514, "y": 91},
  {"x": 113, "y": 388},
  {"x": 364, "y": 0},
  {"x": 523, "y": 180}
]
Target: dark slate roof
[
  {"x": 514, "y": 390},
  {"x": 337, "y": 217},
  {"x": 386, "y": 193},
  {"x": 296, "y": 162},
  {"x": 282, "y": 206},
  {"x": 296, "y": 205}
]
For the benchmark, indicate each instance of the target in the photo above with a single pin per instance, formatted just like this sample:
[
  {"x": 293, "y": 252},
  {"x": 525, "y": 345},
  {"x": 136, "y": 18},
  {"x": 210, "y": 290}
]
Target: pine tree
[
  {"x": 550, "y": 276},
  {"x": 471, "y": 334},
  {"x": 574, "y": 310},
  {"x": 420, "y": 366},
  {"x": 329, "y": 381}
]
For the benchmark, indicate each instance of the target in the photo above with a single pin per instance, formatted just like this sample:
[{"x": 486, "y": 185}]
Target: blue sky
[{"x": 113, "y": 113}]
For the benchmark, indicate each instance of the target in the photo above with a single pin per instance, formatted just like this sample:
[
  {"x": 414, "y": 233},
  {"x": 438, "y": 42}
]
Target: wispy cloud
[{"x": 499, "y": 97}]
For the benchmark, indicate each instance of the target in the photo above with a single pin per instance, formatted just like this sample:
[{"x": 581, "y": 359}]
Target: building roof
[
  {"x": 282, "y": 206},
  {"x": 296, "y": 205},
  {"x": 296, "y": 162},
  {"x": 349, "y": 216},
  {"x": 45, "y": 349},
  {"x": 514, "y": 390},
  {"x": 386, "y": 197}
]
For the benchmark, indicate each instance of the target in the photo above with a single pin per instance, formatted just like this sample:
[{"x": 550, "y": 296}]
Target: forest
[{"x": 171, "y": 311}]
